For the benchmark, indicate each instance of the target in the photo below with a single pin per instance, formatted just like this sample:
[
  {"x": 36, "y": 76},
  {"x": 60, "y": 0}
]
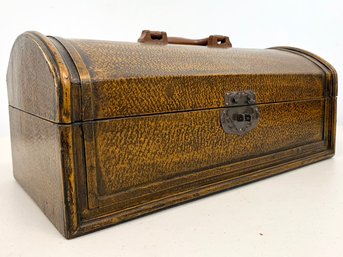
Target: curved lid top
[{"x": 91, "y": 79}]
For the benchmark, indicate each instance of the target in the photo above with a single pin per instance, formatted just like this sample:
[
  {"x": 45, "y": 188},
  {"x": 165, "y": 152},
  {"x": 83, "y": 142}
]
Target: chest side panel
[
  {"x": 37, "y": 165},
  {"x": 30, "y": 78},
  {"x": 130, "y": 160}
]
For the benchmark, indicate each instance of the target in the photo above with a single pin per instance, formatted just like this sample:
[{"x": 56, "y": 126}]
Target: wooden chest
[{"x": 103, "y": 132}]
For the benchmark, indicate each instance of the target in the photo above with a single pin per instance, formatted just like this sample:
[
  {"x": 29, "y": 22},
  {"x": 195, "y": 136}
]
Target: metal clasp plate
[{"x": 241, "y": 114}]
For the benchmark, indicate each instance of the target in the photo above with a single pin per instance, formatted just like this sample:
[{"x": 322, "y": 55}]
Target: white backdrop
[{"x": 313, "y": 25}]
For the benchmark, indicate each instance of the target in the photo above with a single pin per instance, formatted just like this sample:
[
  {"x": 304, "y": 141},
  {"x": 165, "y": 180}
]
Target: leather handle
[{"x": 161, "y": 38}]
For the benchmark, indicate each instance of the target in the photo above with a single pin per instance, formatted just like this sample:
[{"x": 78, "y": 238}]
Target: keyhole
[
  {"x": 240, "y": 117},
  {"x": 243, "y": 117}
]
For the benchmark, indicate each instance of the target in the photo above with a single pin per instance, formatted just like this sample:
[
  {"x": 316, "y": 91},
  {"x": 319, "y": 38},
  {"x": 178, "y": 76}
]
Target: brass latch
[{"x": 241, "y": 113}]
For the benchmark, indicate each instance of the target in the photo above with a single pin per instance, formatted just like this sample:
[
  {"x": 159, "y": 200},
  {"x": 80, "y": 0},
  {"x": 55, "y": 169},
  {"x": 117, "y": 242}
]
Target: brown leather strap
[{"x": 161, "y": 38}]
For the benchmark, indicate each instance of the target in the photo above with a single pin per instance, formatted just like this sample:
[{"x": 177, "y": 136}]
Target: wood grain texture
[
  {"x": 103, "y": 132},
  {"x": 31, "y": 78},
  {"x": 37, "y": 163},
  {"x": 125, "y": 78},
  {"x": 138, "y": 152},
  {"x": 110, "y": 218},
  {"x": 42, "y": 79},
  {"x": 45, "y": 158}
]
